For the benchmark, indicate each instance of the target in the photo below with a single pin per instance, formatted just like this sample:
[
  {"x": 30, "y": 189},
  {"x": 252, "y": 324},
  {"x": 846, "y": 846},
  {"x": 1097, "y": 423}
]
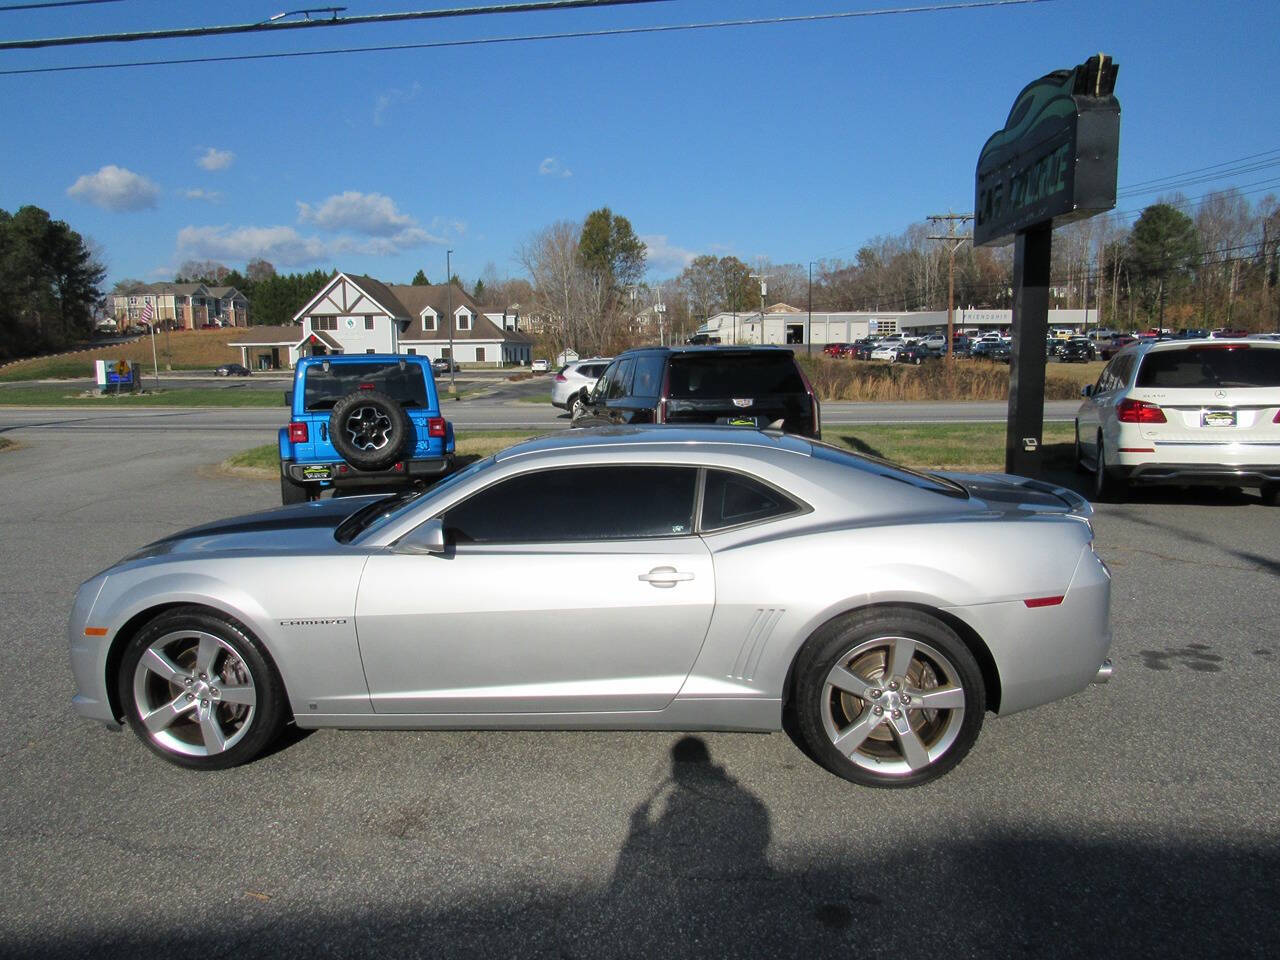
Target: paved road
[{"x": 1135, "y": 819}]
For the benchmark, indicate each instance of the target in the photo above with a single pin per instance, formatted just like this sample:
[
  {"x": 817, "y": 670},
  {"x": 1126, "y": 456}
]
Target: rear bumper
[
  {"x": 344, "y": 475},
  {"x": 1200, "y": 474}
]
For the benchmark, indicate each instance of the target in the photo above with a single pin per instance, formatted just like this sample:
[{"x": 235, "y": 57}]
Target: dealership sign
[{"x": 1056, "y": 157}]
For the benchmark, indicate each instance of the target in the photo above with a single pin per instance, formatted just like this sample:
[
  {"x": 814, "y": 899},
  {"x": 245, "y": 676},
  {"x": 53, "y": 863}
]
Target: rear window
[
  {"x": 888, "y": 470},
  {"x": 733, "y": 375},
  {"x": 323, "y": 388},
  {"x": 1211, "y": 366}
]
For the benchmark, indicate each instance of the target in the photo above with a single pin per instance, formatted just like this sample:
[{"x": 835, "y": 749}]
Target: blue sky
[{"x": 794, "y": 142}]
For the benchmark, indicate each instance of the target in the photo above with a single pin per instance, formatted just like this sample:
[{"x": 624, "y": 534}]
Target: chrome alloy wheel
[
  {"x": 194, "y": 693},
  {"x": 368, "y": 428},
  {"x": 893, "y": 705}
]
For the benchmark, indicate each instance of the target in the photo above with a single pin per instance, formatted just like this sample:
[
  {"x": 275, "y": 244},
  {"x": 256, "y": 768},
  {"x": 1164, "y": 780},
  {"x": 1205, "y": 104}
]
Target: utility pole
[
  {"x": 762, "y": 277},
  {"x": 953, "y": 242},
  {"x": 448, "y": 279}
]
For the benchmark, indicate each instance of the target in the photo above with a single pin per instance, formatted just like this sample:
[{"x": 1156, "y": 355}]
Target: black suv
[{"x": 740, "y": 386}]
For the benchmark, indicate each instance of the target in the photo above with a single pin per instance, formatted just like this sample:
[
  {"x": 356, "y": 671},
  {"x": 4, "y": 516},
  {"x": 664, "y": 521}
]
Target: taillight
[
  {"x": 560, "y": 378},
  {"x": 1137, "y": 411},
  {"x": 298, "y": 433},
  {"x": 813, "y": 402},
  {"x": 660, "y": 416},
  {"x": 1277, "y": 417},
  {"x": 436, "y": 427}
]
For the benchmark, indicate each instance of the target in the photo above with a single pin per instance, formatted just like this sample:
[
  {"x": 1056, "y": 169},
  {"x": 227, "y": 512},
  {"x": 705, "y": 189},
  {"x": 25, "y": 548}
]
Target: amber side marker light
[{"x": 95, "y": 631}]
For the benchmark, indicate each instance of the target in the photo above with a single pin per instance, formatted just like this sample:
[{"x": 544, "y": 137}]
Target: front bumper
[{"x": 344, "y": 475}]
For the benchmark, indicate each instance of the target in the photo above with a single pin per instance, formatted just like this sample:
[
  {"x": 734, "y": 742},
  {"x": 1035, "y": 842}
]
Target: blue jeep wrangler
[{"x": 362, "y": 420}]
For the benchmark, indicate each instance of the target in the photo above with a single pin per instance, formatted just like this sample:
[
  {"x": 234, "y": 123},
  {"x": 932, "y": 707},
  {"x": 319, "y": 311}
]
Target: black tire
[
  {"x": 291, "y": 492},
  {"x": 1106, "y": 488},
  {"x": 195, "y": 723},
  {"x": 369, "y": 429},
  {"x": 861, "y": 647},
  {"x": 1270, "y": 494},
  {"x": 577, "y": 406}
]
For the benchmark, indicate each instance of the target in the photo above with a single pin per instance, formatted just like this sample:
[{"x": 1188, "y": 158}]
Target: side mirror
[
  {"x": 1086, "y": 390},
  {"x": 426, "y": 538}
]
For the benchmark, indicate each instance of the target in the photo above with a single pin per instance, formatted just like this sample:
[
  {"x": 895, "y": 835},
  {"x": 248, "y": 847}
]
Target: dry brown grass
[
  {"x": 853, "y": 380},
  {"x": 181, "y": 350}
]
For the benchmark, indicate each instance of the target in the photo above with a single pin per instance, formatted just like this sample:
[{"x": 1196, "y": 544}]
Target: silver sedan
[{"x": 624, "y": 578}]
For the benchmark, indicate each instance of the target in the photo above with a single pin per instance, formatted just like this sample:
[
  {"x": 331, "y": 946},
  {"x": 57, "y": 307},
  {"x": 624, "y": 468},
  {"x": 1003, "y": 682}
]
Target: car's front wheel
[
  {"x": 888, "y": 697},
  {"x": 198, "y": 689}
]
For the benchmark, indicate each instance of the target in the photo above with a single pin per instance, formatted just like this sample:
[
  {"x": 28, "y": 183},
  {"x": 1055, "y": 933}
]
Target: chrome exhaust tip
[{"x": 1105, "y": 671}]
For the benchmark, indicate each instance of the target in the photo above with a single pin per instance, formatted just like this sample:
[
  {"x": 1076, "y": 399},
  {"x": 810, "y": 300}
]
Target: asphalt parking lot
[{"x": 1136, "y": 818}]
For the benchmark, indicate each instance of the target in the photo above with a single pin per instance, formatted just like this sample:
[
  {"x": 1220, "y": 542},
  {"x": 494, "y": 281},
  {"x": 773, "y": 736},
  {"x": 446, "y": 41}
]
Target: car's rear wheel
[
  {"x": 577, "y": 406},
  {"x": 888, "y": 697},
  {"x": 1105, "y": 487},
  {"x": 198, "y": 690}
]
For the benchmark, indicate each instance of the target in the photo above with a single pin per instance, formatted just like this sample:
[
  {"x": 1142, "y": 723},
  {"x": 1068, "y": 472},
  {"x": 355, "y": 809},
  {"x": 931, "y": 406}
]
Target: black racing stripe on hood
[{"x": 320, "y": 515}]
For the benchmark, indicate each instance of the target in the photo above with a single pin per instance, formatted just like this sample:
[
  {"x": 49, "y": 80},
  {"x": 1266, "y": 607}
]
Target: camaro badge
[
  {"x": 314, "y": 623},
  {"x": 746, "y": 402}
]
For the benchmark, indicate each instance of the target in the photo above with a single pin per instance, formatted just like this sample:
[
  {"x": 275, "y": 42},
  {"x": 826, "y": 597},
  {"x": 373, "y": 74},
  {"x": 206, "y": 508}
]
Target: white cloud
[
  {"x": 115, "y": 188},
  {"x": 552, "y": 167},
  {"x": 369, "y": 213},
  {"x": 281, "y": 245},
  {"x": 386, "y": 101},
  {"x": 199, "y": 193},
  {"x": 661, "y": 254},
  {"x": 214, "y": 159},
  {"x": 380, "y": 226}
]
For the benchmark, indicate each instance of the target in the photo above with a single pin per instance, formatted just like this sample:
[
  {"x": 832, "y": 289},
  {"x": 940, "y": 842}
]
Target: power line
[
  {"x": 566, "y": 35},
  {"x": 1198, "y": 170},
  {"x": 51, "y": 3},
  {"x": 261, "y": 26}
]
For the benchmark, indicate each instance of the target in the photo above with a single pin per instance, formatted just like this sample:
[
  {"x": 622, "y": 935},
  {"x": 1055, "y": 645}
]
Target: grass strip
[
  {"x": 53, "y": 395},
  {"x": 958, "y": 447}
]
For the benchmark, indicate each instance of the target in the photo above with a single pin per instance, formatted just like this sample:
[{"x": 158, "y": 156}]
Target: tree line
[{"x": 50, "y": 276}]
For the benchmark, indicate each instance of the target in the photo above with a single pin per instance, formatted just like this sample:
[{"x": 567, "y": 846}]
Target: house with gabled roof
[{"x": 358, "y": 314}]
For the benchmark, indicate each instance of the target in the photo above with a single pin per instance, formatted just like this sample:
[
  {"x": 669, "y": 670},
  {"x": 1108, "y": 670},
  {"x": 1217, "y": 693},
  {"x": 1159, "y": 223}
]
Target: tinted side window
[
  {"x": 731, "y": 499},
  {"x": 601, "y": 389},
  {"x": 620, "y": 382},
  {"x": 578, "y": 504},
  {"x": 323, "y": 388},
  {"x": 648, "y": 376}
]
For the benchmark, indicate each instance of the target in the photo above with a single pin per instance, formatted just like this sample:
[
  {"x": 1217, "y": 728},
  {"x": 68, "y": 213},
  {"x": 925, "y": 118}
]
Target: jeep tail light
[
  {"x": 436, "y": 427},
  {"x": 298, "y": 433},
  {"x": 1137, "y": 411}
]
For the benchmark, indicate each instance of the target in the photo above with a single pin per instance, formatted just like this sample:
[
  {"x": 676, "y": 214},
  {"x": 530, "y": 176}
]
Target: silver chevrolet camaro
[{"x": 667, "y": 578}]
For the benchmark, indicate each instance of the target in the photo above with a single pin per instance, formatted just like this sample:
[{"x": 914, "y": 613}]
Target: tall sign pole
[{"x": 1053, "y": 162}]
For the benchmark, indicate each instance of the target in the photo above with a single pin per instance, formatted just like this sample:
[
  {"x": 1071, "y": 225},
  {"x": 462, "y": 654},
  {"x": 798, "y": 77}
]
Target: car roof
[
  {"x": 1144, "y": 347},
  {"x": 657, "y": 436}
]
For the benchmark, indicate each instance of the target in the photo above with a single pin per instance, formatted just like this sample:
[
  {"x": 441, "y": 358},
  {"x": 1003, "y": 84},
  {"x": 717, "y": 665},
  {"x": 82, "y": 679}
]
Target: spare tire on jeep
[{"x": 369, "y": 429}]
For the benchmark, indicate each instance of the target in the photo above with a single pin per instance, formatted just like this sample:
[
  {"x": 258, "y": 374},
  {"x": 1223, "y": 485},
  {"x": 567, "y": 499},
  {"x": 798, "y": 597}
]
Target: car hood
[
  {"x": 296, "y": 528},
  {"x": 1007, "y": 494}
]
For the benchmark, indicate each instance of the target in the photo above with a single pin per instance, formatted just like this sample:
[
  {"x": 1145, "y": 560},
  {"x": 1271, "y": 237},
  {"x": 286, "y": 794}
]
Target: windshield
[
  {"x": 324, "y": 388},
  {"x": 378, "y": 514},
  {"x": 1211, "y": 365}
]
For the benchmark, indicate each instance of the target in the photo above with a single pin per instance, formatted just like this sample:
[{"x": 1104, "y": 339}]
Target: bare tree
[{"x": 551, "y": 259}]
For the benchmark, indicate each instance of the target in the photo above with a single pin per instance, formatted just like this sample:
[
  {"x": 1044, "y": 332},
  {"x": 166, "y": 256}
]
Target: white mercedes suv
[{"x": 1204, "y": 412}]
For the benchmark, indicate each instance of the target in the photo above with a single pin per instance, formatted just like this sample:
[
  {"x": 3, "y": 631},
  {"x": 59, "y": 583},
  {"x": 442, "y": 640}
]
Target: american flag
[{"x": 146, "y": 313}]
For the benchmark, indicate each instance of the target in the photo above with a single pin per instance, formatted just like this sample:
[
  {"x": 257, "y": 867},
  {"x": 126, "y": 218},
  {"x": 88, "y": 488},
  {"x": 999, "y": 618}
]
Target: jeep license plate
[
  {"x": 1218, "y": 418},
  {"x": 318, "y": 472}
]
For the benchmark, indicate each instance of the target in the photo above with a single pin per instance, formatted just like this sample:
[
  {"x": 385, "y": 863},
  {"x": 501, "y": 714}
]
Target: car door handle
[{"x": 664, "y": 576}]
